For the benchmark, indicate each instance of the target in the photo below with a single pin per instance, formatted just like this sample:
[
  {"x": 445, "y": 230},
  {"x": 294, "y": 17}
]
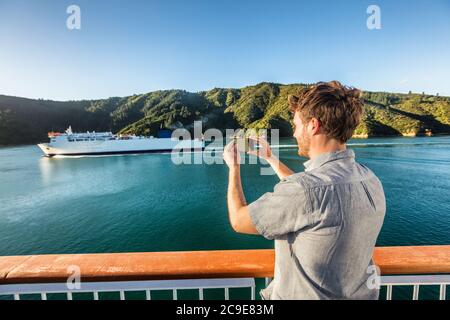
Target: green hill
[{"x": 260, "y": 106}]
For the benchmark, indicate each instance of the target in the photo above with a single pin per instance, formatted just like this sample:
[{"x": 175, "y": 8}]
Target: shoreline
[
  {"x": 404, "y": 135},
  {"x": 358, "y": 136}
]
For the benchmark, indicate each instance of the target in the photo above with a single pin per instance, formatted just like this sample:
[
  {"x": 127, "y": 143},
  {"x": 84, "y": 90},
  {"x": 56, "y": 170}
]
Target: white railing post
[
  {"x": 442, "y": 292},
  {"x": 416, "y": 292},
  {"x": 389, "y": 292}
]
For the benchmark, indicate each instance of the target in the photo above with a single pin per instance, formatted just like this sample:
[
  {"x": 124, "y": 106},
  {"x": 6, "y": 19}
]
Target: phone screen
[
  {"x": 252, "y": 144},
  {"x": 245, "y": 144}
]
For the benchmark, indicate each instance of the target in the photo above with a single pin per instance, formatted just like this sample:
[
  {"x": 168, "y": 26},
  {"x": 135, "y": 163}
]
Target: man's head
[{"x": 325, "y": 115}]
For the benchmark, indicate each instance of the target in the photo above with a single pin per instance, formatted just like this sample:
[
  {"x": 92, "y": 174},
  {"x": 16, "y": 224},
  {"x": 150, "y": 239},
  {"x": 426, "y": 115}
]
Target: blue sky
[{"x": 128, "y": 47}]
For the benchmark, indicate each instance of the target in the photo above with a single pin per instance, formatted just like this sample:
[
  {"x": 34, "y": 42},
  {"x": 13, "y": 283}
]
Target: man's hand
[
  {"x": 231, "y": 155},
  {"x": 264, "y": 151}
]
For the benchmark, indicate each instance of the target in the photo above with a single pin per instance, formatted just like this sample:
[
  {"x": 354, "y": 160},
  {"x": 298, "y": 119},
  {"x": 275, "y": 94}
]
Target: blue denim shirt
[{"x": 325, "y": 222}]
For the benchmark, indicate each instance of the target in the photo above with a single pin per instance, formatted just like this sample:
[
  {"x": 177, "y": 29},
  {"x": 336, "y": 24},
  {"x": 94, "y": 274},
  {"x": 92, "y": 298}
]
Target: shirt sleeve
[{"x": 282, "y": 211}]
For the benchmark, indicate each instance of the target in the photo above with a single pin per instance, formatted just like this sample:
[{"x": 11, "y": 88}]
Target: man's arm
[
  {"x": 238, "y": 211},
  {"x": 279, "y": 167}
]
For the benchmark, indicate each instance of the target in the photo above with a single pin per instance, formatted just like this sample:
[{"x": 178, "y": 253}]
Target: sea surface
[{"x": 137, "y": 203}]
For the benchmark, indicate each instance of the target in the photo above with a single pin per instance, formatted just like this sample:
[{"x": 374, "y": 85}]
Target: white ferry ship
[{"x": 105, "y": 143}]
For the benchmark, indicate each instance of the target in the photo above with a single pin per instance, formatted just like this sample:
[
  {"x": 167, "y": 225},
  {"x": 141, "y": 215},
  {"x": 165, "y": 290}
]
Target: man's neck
[{"x": 325, "y": 147}]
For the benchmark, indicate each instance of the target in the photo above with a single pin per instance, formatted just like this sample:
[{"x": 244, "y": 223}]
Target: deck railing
[{"x": 148, "y": 272}]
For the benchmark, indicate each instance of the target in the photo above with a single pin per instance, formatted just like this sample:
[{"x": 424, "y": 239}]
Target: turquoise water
[{"x": 147, "y": 203}]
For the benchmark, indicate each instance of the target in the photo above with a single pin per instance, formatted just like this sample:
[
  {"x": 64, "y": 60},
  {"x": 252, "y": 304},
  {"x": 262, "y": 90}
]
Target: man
[{"x": 325, "y": 220}]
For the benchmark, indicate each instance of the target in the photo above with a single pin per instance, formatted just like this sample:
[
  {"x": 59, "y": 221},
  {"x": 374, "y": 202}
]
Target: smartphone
[
  {"x": 252, "y": 144},
  {"x": 245, "y": 144}
]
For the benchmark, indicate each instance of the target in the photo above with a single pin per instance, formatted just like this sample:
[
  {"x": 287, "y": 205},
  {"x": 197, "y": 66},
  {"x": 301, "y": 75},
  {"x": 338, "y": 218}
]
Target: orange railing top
[{"x": 197, "y": 264}]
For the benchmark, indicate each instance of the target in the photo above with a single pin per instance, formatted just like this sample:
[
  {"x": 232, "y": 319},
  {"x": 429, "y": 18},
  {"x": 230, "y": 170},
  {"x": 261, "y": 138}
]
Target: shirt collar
[{"x": 323, "y": 158}]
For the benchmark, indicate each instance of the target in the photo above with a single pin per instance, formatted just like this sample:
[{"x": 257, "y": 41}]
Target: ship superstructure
[{"x": 70, "y": 143}]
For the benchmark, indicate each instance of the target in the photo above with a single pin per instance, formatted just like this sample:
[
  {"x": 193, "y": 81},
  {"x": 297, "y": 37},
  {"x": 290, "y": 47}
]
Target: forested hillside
[{"x": 260, "y": 106}]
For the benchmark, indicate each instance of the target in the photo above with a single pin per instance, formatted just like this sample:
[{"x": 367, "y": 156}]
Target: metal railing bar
[
  {"x": 128, "y": 285},
  {"x": 436, "y": 279},
  {"x": 441, "y": 280}
]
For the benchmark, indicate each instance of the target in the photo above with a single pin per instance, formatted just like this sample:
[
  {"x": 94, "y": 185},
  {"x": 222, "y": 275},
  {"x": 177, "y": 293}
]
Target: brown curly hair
[{"x": 337, "y": 107}]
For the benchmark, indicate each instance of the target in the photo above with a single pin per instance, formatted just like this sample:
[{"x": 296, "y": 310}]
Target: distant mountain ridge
[{"x": 263, "y": 105}]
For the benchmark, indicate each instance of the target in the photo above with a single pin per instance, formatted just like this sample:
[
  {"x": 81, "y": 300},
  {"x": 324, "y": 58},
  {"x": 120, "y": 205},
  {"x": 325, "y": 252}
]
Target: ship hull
[{"x": 114, "y": 147}]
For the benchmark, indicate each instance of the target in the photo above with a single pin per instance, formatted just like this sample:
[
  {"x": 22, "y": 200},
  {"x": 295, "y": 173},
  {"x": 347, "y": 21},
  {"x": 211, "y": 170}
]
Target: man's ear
[{"x": 315, "y": 126}]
